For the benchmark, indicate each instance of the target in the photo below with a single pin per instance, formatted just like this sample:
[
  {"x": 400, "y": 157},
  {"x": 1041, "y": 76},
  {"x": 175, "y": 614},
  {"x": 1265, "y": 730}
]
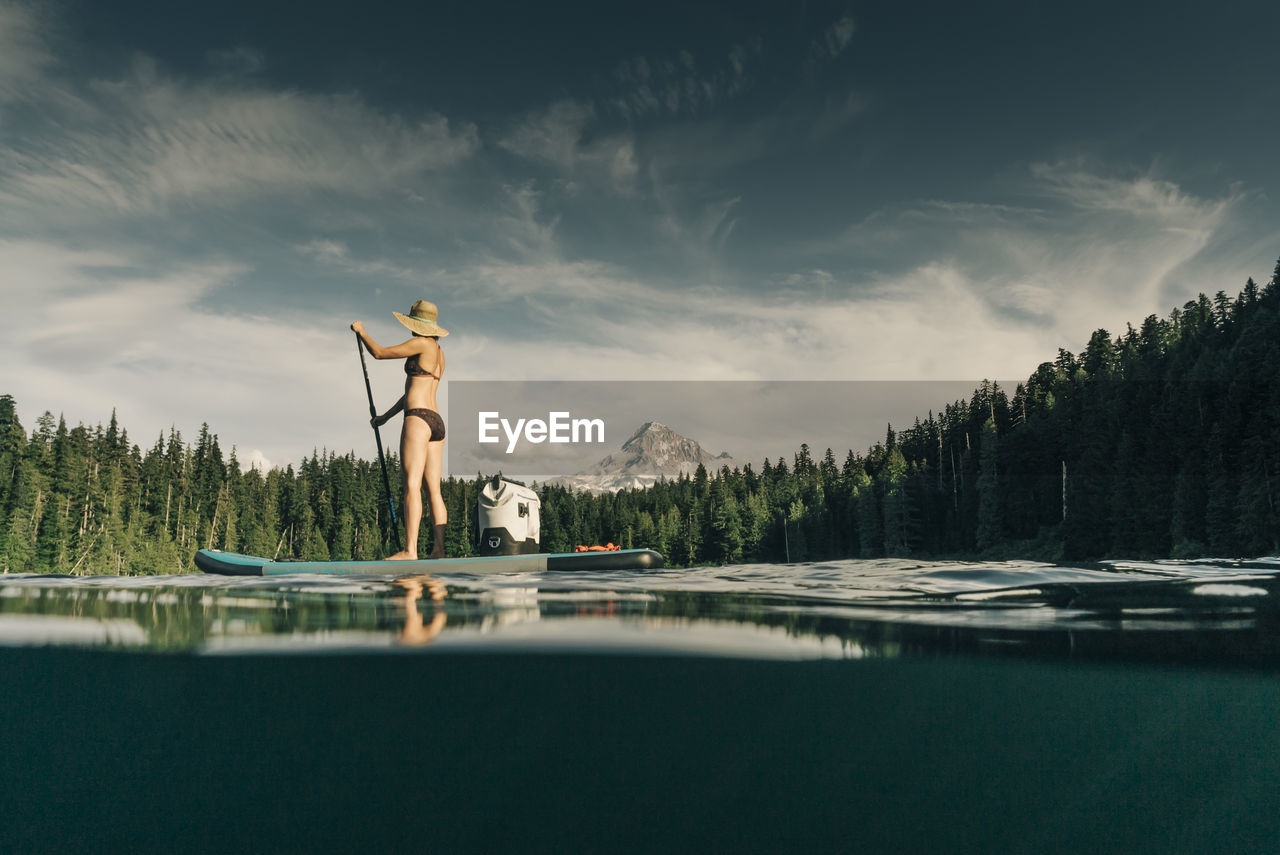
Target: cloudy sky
[{"x": 195, "y": 203}]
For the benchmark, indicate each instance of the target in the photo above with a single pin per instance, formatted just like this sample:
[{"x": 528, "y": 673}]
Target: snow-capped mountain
[{"x": 654, "y": 451}]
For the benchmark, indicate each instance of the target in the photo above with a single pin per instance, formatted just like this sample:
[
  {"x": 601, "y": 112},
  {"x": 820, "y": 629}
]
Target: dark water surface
[{"x": 856, "y": 705}]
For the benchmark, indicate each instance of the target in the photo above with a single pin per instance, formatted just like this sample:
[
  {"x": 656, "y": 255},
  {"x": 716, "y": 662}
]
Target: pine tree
[
  {"x": 990, "y": 518},
  {"x": 1220, "y": 516},
  {"x": 1257, "y": 524},
  {"x": 1125, "y": 535},
  {"x": 896, "y": 514},
  {"x": 726, "y": 525},
  {"x": 1189, "y": 500},
  {"x": 866, "y": 508},
  {"x": 669, "y": 531},
  {"x": 28, "y": 496}
]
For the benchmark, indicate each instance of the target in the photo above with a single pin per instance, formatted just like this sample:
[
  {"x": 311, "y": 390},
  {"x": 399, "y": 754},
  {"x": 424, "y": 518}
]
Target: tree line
[{"x": 1162, "y": 441}]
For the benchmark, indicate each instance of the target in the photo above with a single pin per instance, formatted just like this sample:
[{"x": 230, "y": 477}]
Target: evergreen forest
[{"x": 1162, "y": 441}]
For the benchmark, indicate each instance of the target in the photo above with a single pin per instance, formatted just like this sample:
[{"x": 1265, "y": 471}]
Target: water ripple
[{"x": 1201, "y": 612}]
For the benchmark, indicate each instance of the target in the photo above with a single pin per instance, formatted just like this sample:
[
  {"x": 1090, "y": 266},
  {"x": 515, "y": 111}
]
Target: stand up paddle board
[{"x": 235, "y": 564}]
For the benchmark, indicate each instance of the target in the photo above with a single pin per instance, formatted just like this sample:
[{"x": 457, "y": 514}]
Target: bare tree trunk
[
  {"x": 35, "y": 513},
  {"x": 181, "y": 525},
  {"x": 1064, "y": 490},
  {"x": 213, "y": 527},
  {"x": 85, "y": 554},
  {"x": 1266, "y": 479},
  {"x": 940, "y": 485},
  {"x": 955, "y": 496}
]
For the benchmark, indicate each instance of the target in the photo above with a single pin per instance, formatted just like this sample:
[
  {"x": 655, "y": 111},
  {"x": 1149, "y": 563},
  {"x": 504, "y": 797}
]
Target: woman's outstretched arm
[{"x": 379, "y": 421}]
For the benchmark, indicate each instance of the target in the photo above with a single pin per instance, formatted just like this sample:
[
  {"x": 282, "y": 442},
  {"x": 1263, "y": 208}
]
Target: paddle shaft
[{"x": 377, "y": 435}]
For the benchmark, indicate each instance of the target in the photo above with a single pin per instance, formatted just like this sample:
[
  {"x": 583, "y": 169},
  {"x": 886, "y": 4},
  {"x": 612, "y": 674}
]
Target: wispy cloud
[
  {"x": 152, "y": 140},
  {"x": 336, "y": 256},
  {"x": 994, "y": 289},
  {"x": 1085, "y": 248},
  {"x": 551, "y": 135},
  {"x": 520, "y": 227},
  {"x": 679, "y": 86},
  {"x": 556, "y": 136},
  {"x": 833, "y": 41},
  {"x": 836, "y": 114},
  {"x": 1141, "y": 196},
  {"x": 24, "y": 50},
  {"x": 641, "y": 330},
  {"x": 238, "y": 60},
  {"x": 699, "y": 235}
]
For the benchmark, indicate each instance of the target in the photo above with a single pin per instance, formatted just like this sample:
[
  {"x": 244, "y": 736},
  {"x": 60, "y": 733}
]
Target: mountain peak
[
  {"x": 652, "y": 451},
  {"x": 649, "y": 427},
  {"x": 651, "y": 431}
]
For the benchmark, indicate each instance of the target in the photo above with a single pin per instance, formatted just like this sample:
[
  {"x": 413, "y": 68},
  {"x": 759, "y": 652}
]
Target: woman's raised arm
[{"x": 397, "y": 351}]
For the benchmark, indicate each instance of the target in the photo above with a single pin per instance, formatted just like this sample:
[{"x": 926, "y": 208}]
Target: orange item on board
[{"x": 608, "y": 547}]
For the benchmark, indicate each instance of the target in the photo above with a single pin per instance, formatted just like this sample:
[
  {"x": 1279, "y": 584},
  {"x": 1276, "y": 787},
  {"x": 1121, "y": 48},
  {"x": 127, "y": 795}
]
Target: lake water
[{"x": 857, "y": 705}]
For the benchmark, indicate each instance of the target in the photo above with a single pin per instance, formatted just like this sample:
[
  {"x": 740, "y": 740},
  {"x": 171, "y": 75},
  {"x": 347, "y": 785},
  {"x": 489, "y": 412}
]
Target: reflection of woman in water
[
  {"x": 415, "y": 632},
  {"x": 422, "y": 435}
]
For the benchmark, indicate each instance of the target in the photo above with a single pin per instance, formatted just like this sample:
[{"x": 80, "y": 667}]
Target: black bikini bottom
[{"x": 432, "y": 418}]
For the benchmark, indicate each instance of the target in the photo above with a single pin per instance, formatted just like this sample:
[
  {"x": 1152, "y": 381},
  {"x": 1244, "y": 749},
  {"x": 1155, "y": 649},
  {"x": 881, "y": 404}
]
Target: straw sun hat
[{"x": 422, "y": 319}]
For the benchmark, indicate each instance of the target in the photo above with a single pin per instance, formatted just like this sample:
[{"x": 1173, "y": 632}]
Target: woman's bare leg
[
  {"x": 413, "y": 457},
  {"x": 439, "y": 513}
]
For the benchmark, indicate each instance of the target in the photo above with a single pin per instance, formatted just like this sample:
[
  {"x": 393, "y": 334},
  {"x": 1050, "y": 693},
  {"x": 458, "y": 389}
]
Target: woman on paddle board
[{"x": 422, "y": 434}]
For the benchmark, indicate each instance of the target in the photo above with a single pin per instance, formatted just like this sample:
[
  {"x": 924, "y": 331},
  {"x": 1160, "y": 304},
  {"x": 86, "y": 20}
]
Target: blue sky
[{"x": 195, "y": 203}]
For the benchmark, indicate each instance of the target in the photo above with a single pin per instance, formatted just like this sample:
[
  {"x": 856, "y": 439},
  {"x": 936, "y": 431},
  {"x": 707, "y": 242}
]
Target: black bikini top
[{"x": 413, "y": 369}]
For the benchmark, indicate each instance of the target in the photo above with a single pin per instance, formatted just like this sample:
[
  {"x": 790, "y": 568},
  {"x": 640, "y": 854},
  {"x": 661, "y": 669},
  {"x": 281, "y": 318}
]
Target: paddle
[{"x": 373, "y": 413}]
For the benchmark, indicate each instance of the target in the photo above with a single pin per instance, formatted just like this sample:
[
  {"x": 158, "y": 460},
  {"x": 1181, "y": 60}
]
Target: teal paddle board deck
[{"x": 235, "y": 564}]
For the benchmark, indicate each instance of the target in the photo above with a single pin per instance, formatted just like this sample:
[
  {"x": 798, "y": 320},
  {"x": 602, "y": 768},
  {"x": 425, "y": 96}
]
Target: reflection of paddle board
[{"x": 234, "y": 564}]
